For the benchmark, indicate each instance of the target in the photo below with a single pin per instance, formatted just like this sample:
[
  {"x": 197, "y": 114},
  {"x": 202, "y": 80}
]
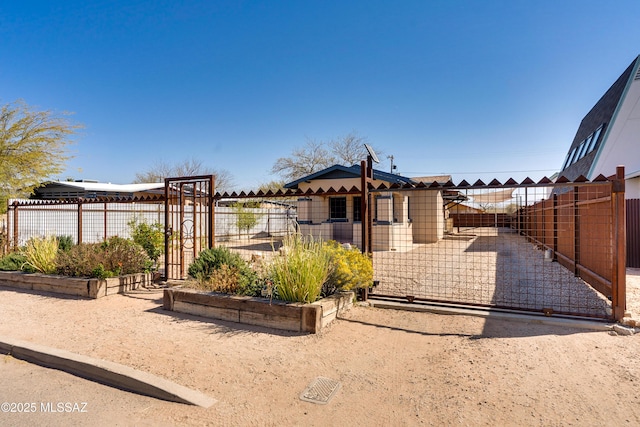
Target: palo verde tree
[
  {"x": 160, "y": 170},
  {"x": 246, "y": 218},
  {"x": 33, "y": 147},
  {"x": 317, "y": 155}
]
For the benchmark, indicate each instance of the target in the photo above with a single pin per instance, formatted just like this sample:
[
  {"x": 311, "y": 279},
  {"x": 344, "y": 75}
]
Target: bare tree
[
  {"x": 161, "y": 170},
  {"x": 349, "y": 149},
  {"x": 315, "y": 156},
  {"x": 304, "y": 161},
  {"x": 272, "y": 185}
]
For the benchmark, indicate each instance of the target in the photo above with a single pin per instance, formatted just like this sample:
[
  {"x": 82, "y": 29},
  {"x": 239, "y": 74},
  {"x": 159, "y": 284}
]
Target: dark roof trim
[
  {"x": 632, "y": 76},
  {"x": 343, "y": 172}
]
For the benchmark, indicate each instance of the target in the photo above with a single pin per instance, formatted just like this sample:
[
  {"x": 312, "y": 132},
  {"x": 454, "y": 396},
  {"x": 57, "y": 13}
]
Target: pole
[
  {"x": 364, "y": 207},
  {"x": 619, "y": 273}
]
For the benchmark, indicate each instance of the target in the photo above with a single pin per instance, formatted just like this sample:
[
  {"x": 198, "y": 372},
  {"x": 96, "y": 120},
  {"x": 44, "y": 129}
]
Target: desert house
[
  {"x": 608, "y": 134},
  {"x": 402, "y": 217}
]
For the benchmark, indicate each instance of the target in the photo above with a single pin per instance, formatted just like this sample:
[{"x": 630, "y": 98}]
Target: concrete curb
[
  {"x": 105, "y": 372},
  {"x": 495, "y": 314}
]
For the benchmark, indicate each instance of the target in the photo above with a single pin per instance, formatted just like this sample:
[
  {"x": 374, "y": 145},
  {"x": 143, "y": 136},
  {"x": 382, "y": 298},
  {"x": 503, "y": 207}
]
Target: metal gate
[
  {"x": 189, "y": 222},
  {"x": 548, "y": 247}
]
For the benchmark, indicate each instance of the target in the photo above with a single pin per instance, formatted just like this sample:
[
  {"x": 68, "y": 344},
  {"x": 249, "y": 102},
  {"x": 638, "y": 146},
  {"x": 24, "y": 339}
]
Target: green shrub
[
  {"x": 40, "y": 254},
  {"x": 149, "y": 236},
  {"x": 111, "y": 258},
  {"x": 65, "y": 243},
  {"x": 351, "y": 268},
  {"x": 99, "y": 272},
  {"x": 12, "y": 262},
  {"x": 219, "y": 269},
  {"x": 302, "y": 270},
  {"x": 124, "y": 256},
  {"x": 80, "y": 260}
]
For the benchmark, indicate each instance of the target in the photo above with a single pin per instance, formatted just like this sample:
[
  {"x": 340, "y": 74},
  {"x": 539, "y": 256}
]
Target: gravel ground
[
  {"x": 395, "y": 368},
  {"x": 487, "y": 266}
]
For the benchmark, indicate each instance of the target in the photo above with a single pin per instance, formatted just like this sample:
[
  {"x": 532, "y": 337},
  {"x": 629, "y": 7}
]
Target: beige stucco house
[{"x": 404, "y": 212}]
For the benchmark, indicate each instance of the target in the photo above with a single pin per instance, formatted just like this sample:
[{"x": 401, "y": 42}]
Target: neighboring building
[
  {"x": 609, "y": 135},
  {"x": 398, "y": 223},
  {"x": 65, "y": 190}
]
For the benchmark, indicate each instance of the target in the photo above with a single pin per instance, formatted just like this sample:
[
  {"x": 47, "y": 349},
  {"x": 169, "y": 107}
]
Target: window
[
  {"x": 581, "y": 148},
  {"x": 596, "y": 135},
  {"x": 573, "y": 152},
  {"x": 357, "y": 209},
  {"x": 338, "y": 208},
  {"x": 566, "y": 162},
  {"x": 585, "y": 146}
]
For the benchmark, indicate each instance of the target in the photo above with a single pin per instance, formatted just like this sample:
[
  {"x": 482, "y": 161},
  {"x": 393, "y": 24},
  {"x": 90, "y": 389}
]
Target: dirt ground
[{"x": 394, "y": 367}]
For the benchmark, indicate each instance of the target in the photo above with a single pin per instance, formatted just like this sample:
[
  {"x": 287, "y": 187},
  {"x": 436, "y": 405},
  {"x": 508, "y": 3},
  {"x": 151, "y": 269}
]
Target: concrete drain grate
[{"x": 321, "y": 390}]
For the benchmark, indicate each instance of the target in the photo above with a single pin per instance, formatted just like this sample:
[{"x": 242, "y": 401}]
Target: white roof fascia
[{"x": 101, "y": 186}]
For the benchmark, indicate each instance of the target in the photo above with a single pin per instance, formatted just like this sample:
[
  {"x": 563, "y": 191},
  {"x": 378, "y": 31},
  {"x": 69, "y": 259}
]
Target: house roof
[
  {"x": 440, "y": 179},
  {"x": 591, "y": 135},
  {"x": 103, "y": 186},
  {"x": 92, "y": 189},
  {"x": 344, "y": 172}
]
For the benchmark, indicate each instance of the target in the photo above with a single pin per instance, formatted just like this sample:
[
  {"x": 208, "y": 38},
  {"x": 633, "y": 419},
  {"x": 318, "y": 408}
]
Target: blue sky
[{"x": 476, "y": 89}]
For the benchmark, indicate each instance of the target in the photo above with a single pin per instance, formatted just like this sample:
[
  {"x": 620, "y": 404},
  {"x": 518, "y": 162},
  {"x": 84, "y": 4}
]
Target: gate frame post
[
  {"x": 619, "y": 243},
  {"x": 211, "y": 241},
  {"x": 366, "y": 213},
  {"x": 168, "y": 231}
]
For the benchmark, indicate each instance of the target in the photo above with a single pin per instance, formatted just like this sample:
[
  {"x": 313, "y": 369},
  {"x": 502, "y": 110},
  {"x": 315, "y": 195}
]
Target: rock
[
  {"x": 623, "y": 330},
  {"x": 628, "y": 321}
]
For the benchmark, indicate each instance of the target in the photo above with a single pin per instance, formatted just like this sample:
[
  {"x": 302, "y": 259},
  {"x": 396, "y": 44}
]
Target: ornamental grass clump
[
  {"x": 40, "y": 254},
  {"x": 302, "y": 269}
]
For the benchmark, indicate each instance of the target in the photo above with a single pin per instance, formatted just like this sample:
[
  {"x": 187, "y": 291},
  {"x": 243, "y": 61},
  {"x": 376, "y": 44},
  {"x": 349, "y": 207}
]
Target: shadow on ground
[{"x": 216, "y": 326}]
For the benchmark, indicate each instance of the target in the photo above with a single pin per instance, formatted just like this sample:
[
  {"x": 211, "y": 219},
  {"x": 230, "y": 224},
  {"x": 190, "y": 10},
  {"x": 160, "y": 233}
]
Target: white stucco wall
[
  {"x": 427, "y": 216},
  {"x": 632, "y": 188},
  {"x": 622, "y": 138}
]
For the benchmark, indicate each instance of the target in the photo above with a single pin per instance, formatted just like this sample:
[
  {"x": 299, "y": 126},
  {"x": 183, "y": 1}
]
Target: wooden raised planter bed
[
  {"x": 82, "y": 287},
  {"x": 296, "y": 317}
]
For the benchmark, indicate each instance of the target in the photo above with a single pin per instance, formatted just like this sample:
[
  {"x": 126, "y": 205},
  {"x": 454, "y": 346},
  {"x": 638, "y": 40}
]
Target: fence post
[
  {"x": 167, "y": 228},
  {"x": 79, "y": 221},
  {"x": 211, "y": 241},
  {"x": 364, "y": 207},
  {"x": 15, "y": 225},
  {"x": 576, "y": 231},
  {"x": 619, "y": 243},
  {"x": 555, "y": 227},
  {"x": 104, "y": 237}
]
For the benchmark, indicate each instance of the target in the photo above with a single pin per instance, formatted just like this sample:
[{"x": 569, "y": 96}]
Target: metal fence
[
  {"x": 545, "y": 247},
  {"x": 95, "y": 221},
  {"x": 531, "y": 250}
]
